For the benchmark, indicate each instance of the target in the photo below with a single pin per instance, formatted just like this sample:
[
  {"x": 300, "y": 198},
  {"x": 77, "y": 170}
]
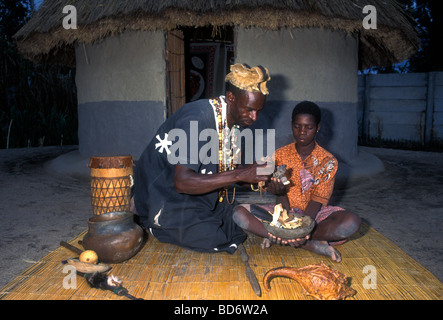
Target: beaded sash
[{"x": 229, "y": 152}]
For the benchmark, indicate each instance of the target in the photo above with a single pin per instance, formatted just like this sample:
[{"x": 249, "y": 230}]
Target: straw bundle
[{"x": 43, "y": 38}]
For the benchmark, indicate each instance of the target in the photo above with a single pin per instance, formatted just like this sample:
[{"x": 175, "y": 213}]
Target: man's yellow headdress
[{"x": 249, "y": 79}]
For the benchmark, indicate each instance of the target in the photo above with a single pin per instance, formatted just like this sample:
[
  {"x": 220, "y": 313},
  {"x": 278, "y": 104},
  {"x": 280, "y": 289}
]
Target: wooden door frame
[{"x": 175, "y": 71}]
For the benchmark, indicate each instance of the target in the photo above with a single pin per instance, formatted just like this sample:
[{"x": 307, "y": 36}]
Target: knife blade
[{"x": 249, "y": 272}]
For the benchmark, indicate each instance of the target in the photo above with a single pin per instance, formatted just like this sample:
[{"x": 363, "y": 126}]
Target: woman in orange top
[{"x": 311, "y": 171}]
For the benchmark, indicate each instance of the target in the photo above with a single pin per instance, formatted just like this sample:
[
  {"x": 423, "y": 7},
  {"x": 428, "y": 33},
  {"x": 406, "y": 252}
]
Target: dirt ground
[{"x": 40, "y": 207}]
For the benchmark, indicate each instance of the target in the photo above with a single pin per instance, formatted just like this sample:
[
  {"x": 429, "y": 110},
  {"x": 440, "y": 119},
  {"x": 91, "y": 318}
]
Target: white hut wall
[
  {"x": 307, "y": 64},
  {"x": 121, "y": 92}
]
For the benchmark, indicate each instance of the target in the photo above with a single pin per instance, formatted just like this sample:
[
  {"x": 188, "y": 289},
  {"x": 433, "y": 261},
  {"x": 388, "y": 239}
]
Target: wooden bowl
[{"x": 288, "y": 234}]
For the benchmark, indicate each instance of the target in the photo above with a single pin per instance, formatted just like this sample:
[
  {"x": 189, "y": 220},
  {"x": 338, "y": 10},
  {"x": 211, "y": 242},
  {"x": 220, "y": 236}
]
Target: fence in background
[{"x": 405, "y": 107}]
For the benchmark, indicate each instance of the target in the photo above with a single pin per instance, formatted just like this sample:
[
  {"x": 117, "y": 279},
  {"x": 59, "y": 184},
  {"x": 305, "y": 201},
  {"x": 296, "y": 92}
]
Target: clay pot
[{"x": 114, "y": 236}]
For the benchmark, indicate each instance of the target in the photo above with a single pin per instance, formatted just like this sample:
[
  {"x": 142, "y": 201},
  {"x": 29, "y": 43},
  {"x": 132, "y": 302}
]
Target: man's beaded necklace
[{"x": 228, "y": 148}]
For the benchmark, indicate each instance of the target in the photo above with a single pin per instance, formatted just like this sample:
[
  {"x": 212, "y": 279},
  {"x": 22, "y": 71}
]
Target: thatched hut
[{"x": 133, "y": 60}]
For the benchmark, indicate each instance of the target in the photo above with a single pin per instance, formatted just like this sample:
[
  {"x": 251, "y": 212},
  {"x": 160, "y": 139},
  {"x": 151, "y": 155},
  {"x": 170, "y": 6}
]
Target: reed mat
[{"x": 377, "y": 268}]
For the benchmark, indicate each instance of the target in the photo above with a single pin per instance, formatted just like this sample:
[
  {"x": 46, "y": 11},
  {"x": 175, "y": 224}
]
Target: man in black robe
[{"x": 178, "y": 177}]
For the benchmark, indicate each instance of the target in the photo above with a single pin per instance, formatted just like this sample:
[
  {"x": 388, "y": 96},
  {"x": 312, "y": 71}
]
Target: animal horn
[{"x": 286, "y": 272}]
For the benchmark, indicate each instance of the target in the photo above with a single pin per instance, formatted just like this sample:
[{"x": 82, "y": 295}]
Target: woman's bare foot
[
  {"x": 323, "y": 248},
  {"x": 319, "y": 247}
]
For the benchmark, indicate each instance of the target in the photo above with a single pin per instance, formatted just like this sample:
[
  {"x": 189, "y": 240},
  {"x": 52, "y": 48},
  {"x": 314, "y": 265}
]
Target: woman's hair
[{"x": 307, "y": 107}]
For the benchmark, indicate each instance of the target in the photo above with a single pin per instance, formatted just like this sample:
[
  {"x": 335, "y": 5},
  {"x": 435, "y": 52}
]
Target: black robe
[{"x": 197, "y": 222}]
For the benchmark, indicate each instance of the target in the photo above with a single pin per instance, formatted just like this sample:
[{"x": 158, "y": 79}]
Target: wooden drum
[{"x": 111, "y": 183}]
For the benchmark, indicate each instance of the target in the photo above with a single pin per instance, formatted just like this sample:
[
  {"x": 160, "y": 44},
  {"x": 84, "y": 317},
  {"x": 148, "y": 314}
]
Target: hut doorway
[{"x": 197, "y": 61}]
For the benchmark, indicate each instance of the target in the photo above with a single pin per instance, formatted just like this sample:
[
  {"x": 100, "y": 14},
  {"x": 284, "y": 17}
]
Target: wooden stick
[{"x": 71, "y": 247}]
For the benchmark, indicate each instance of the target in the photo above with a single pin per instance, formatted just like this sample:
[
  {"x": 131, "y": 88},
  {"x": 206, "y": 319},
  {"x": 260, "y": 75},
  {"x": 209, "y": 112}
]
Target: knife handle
[
  {"x": 243, "y": 254},
  {"x": 71, "y": 247}
]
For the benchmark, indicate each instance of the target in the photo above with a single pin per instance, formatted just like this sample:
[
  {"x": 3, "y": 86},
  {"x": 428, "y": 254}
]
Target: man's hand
[
  {"x": 188, "y": 181},
  {"x": 250, "y": 173}
]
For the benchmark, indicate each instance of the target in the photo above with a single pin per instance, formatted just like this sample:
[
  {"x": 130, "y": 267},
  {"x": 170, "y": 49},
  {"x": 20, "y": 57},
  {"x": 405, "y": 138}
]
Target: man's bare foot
[
  {"x": 266, "y": 243},
  {"x": 323, "y": 248}
]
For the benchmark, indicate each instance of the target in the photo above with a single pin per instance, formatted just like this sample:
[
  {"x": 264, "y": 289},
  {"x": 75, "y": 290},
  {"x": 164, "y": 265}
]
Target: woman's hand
[
  {"x": 295, "y": 243},
  {"x": 275, "y": 186}
]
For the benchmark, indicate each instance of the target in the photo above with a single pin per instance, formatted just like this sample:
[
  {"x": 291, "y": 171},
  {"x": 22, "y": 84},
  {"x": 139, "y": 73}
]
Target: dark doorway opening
[
  {"x": 197, "y": 60},
  {"x": 208, "y": 53}
]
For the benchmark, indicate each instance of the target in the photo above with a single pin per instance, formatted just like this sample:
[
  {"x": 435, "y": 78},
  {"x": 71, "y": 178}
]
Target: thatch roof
[{"x": 44, "y": 39}]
